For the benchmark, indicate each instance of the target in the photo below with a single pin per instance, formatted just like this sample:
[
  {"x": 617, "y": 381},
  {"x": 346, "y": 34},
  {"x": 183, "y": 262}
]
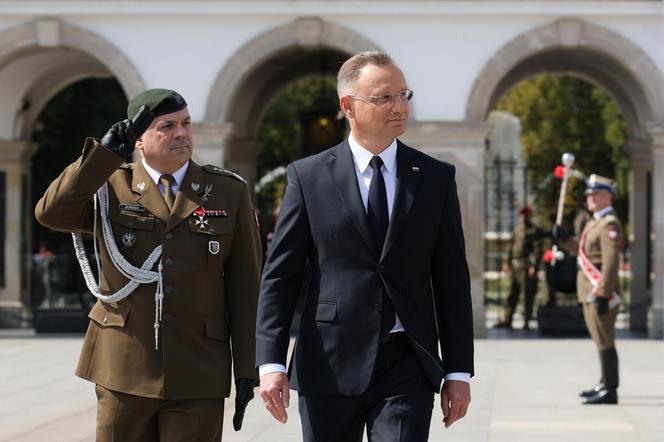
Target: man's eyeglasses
[{"x": 386, "y": 100}]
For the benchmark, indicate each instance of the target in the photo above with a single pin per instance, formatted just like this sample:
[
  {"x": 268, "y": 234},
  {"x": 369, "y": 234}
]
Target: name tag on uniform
[{"x": 132, "y": 207}]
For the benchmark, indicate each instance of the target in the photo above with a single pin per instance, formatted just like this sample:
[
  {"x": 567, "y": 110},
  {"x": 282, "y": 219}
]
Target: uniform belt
[{"x": 391, "y": 337}]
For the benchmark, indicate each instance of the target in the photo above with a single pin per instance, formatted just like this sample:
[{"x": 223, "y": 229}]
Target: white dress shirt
[
  {"x": 155, "y": 174},
  {"x": 364, "y": 172}
]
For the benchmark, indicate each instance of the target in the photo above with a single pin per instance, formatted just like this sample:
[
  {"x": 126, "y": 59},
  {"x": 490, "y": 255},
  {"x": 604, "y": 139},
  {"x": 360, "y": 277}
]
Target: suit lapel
[
  {"x": 407, "y": 182},
  {"x": 187, "y": 199},
  {"x": 342, "y": 168},
  {"x": 148, "y": 194}
]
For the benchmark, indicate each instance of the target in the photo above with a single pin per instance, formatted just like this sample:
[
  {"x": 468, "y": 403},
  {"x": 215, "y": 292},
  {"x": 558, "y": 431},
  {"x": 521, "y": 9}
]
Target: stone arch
[
  {"x": 627, "y": 73},
  {"x": 53, "y": 33},
  {"x": 260, "y": 69},
  {"x": 570, "y": 45}
]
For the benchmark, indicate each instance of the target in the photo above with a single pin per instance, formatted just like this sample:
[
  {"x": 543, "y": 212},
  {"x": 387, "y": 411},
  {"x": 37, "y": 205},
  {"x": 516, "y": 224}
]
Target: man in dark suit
[{"x": 379, "y": 224}]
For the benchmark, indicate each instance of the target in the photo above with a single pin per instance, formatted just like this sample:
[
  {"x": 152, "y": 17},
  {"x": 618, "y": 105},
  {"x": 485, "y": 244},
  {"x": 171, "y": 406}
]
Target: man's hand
[
  {"x": 121, "y": 137},
  {"x": 244, "y": 392},
  {"x": 559, "y": 233},
  {"x": 601, "y": 304},
  {"x": 276, "y": 395},
  {"x": 454, "y": 400}
]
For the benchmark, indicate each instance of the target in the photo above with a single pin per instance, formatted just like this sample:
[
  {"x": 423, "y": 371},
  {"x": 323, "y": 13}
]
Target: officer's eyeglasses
[{"x": 388, "y": 100}]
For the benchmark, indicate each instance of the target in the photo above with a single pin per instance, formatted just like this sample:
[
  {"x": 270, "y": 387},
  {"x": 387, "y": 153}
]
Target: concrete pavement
[{"x": 524, "y": 390}]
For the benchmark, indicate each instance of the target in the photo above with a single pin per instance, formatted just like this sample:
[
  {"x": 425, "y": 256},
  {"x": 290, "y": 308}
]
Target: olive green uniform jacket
[
  {"x": 603, "y": 246},
  {"x": 209, "y": 309}
]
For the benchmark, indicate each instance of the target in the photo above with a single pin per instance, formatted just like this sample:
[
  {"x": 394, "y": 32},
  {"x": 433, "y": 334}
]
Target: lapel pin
[
  {"x": 195, "y": 187},
  {"x": 141, "y": 186},
  {"x": 415, "y": 168},
  {"x": 213, "y": 247},
  {"x": 129, "y": 239},
  {"x": 208, "y": 192}
]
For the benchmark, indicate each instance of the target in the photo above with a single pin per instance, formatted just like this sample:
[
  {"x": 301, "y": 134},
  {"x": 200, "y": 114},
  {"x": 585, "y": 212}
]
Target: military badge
[
  {"x": 213, "y": 247},
  {"x": 141, "y": 186},
  {"x": 129, "y": 239},
  {"x": 613, "y": 234},
  {"x": 195, "y": 187},
  {"x": 132, "y": 207},
  {"x": 415, "y": 168},
  {"x": 207, "y": 194}
]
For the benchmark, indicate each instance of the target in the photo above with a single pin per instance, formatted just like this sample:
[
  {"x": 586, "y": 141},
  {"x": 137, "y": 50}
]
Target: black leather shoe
[
  {"x": 593, "y": 391},
  {"x": 606, "y": 396}
]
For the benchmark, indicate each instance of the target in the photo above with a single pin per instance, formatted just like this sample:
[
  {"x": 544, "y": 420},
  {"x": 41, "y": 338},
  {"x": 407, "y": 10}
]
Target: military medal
[
  {"x": 129, "y": 239},
  {"x": 213, "y": 247}
]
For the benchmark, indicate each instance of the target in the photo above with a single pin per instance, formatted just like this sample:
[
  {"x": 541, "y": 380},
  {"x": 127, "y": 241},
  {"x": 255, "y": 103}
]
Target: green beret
[{"x": 160, "y": 102}]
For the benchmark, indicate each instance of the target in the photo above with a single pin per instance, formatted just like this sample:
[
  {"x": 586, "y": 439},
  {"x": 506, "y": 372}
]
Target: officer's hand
[
  {"x": 121, "y": 137},
  {"x": 559, "y": 233},
  {"x": 601, "y": 304},
  {"x": 244, "y": 392}
]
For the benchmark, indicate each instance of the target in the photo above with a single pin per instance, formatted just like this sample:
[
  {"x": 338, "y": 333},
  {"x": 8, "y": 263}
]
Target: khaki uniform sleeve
[
  {"x": 611, "y": 240},
  {"x": 67, "y": 203},
  {"x": 242, "y": 280}
]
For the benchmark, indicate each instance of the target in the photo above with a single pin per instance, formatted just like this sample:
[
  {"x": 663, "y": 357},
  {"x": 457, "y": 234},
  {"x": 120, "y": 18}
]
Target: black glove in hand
[
  {"x": 559, "y": 233},
  {"x": 601, "y": 304},
  {"x": 244, "y": 392},
  {"x": 121, "y": 137}
]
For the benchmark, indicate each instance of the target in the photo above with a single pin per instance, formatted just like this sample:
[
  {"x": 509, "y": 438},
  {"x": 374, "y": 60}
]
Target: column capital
[
  {"x": 656, "y": 132},
  {"x": 639, "y": 151},
  {"x": 447, "y": 134},
  {"x": 16, "y": 151}
]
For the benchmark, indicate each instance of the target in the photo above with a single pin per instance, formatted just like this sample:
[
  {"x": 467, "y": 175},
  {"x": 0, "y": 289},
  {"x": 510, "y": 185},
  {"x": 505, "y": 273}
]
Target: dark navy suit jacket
[{"x": 422, "y": 266}]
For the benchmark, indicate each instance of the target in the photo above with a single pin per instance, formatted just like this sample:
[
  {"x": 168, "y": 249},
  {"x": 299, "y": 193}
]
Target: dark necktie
[
  {"x": 379, "y": 221},
  {"x": 167, "y": 181}
]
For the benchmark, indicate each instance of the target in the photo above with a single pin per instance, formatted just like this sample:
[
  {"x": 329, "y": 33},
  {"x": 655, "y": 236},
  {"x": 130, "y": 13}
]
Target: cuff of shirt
[
  {"x": 272, "y": 368},
  {"x": 458, "y": 377}
]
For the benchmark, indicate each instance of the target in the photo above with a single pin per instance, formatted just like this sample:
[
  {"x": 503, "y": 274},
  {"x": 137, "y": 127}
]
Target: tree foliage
[
  {"x": 566, "y": 114},
  {"x": 286, "y": 133}
]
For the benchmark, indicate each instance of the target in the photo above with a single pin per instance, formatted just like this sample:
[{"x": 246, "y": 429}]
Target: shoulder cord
[{"x": 136, "y": 276}]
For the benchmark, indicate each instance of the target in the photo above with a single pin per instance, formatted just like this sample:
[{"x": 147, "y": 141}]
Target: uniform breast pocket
[
  {"x": 134, "y": 234},
  {"x": 211, "y": 243}
]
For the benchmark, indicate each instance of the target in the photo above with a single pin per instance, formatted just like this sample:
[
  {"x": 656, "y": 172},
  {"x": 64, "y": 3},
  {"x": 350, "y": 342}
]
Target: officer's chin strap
[{"x": 136, "y": 276}]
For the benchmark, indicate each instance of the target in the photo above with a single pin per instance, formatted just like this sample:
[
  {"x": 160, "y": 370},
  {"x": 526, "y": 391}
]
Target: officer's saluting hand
[{"x": 121, "y": 137}]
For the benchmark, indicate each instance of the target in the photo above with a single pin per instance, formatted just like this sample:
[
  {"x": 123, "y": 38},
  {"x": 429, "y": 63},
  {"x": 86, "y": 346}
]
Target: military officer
[
  {"x": 180, "y": 259},
  {"x": 599, "y": 248},
  {"x": 523, "y": 261}
]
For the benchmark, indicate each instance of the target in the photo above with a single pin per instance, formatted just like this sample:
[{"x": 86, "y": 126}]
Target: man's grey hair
[{"x": 350, "y": 70}]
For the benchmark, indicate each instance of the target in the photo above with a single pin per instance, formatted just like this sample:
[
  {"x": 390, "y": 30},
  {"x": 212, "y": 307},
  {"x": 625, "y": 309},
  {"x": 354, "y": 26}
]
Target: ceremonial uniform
[
  {"x": 524, "y": 254},
  {"x": 599, "y": 250},
  {"x": 184, "y": 346}
]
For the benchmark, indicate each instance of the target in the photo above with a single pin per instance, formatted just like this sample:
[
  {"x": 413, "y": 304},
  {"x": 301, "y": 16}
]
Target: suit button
[
  {"x": 168, "y": 289},
  {"x": 169, "y": 236},
  {"x": 377, "y": 307},
  {"x": 168, "y": 261}
]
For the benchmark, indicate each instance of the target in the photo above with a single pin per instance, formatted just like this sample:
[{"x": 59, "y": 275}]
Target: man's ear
[{"x": 346, "y": 105}]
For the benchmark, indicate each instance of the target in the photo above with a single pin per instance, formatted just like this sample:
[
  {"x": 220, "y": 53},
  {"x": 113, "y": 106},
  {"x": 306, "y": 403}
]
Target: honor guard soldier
[
  {"x": 522, "y": 261},
  {"x": 599, "y": 250},
  {"x": 179, "y": 257}
]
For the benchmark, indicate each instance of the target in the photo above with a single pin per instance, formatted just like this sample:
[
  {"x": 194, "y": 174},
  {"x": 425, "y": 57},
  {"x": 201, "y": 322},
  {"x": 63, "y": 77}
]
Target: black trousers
[{"x": 397, "y": 406}]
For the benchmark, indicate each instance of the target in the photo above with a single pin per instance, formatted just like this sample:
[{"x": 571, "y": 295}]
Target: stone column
[
  {"x": 15, "y": 164},
  {"x": 462, "y": 144},
  {"x": 656, "y": 319},
  {"x": 209, "y": 143},
  {"x": 640, "y": 152}
]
